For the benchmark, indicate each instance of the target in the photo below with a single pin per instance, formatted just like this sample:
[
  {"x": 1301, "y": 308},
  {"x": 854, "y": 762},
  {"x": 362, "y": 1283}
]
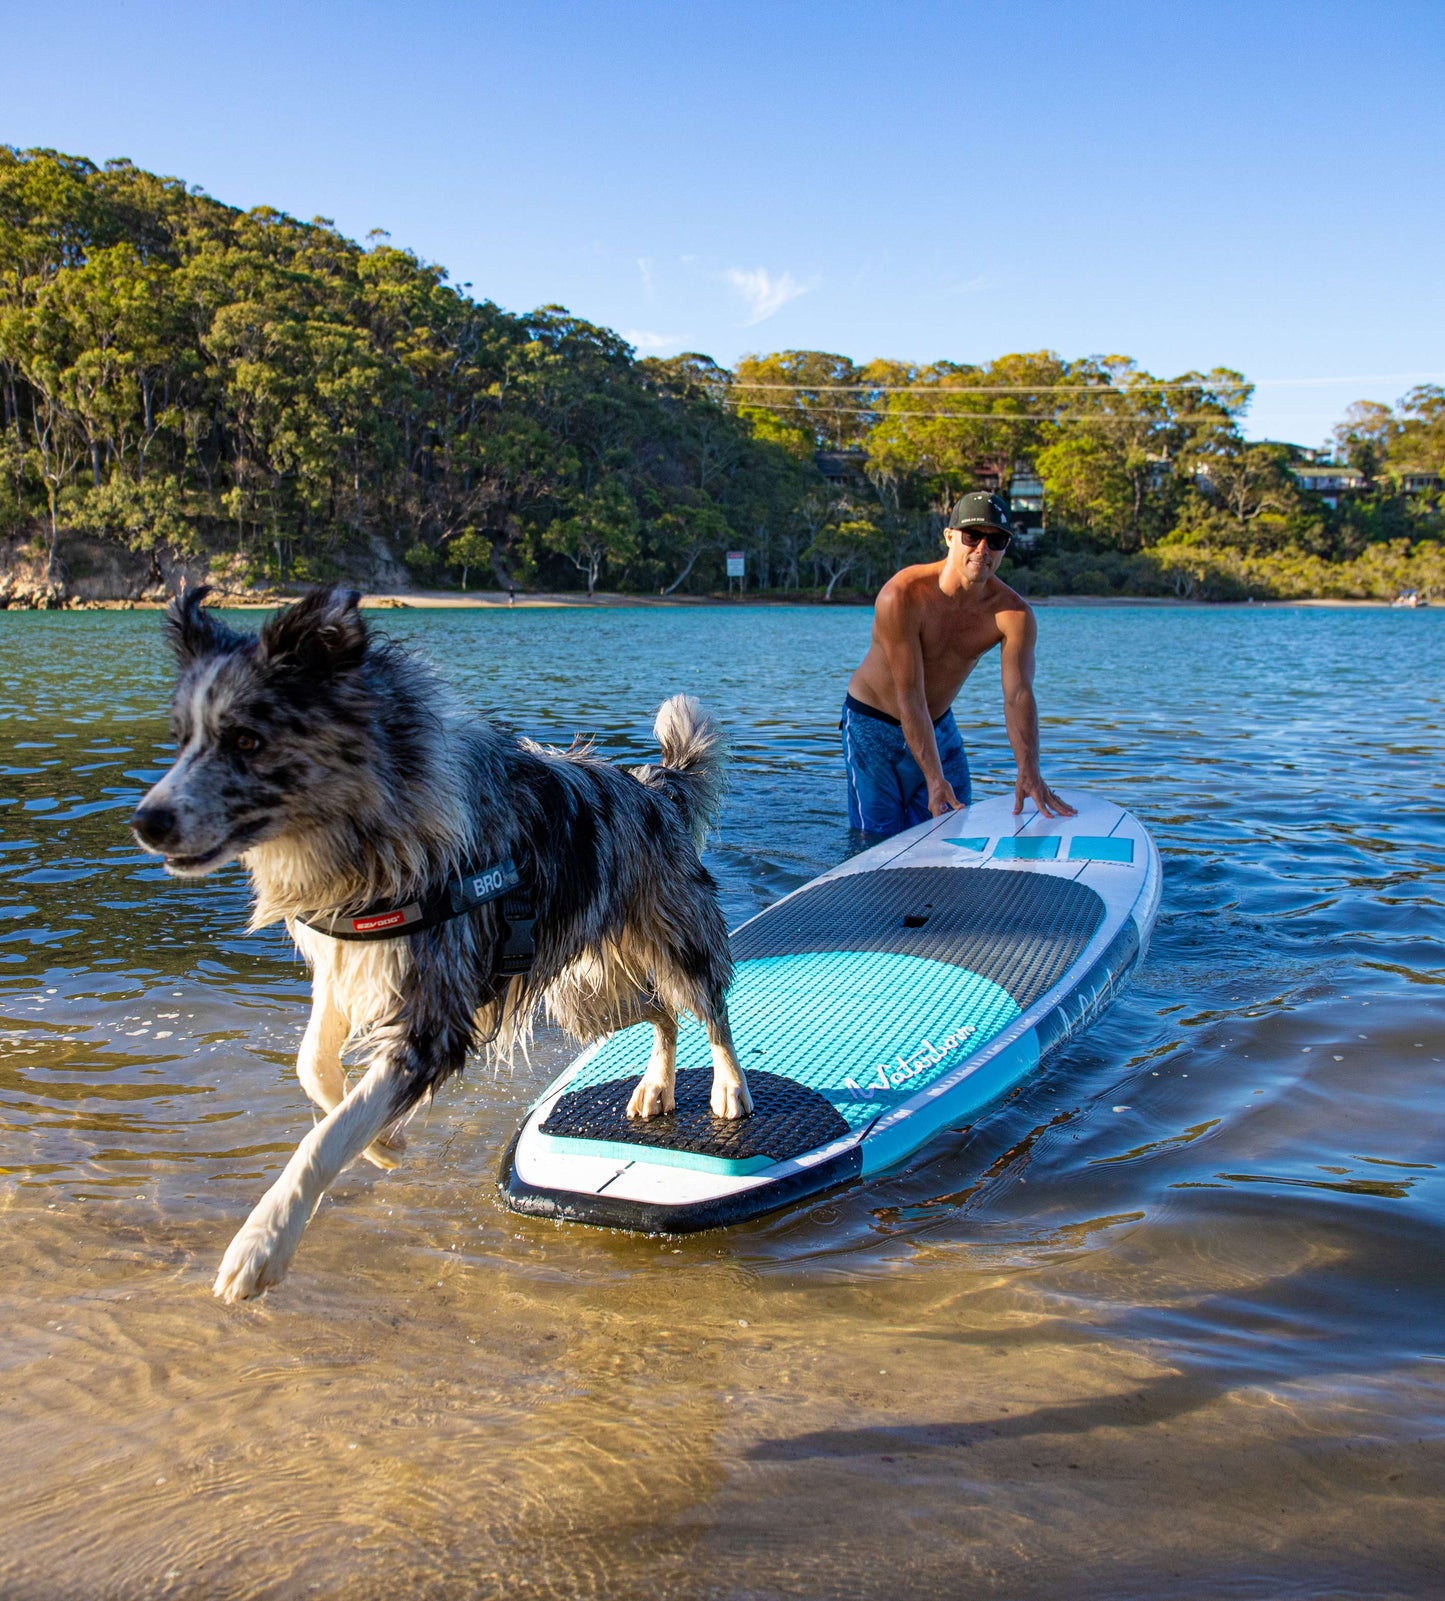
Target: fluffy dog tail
[{"x": 693, "y": 762}]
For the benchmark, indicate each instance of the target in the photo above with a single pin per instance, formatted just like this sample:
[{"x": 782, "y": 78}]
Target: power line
[
  {"x": 1000, "y": 389},
  {"x": 1130, "y": 387},
  {"x": 879, "y": 418}
]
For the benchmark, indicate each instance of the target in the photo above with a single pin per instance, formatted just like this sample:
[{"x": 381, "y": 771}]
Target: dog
[{"x": 401, "y": 839}]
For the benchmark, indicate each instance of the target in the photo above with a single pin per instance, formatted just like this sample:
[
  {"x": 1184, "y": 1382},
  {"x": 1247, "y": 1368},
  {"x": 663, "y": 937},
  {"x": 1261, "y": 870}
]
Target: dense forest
[{"x": 187, "y": 386}]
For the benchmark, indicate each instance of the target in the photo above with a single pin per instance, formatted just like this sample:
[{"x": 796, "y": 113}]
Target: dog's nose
[{"x": 154, "y": 825}]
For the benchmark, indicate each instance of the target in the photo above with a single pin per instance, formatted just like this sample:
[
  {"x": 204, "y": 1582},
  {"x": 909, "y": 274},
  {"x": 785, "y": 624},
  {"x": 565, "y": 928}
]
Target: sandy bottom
[{"x": 447, "y": 1400}]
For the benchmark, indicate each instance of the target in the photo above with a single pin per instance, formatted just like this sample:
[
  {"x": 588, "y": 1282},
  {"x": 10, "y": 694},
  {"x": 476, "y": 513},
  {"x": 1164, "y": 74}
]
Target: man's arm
[
  {"x": 1021, "y": 713},
  {"x": 899, "y": 632}
]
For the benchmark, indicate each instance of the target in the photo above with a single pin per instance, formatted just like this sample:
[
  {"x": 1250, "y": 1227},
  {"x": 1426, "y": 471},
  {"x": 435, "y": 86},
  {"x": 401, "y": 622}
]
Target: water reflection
[{"x": 1164, "y": 1323}]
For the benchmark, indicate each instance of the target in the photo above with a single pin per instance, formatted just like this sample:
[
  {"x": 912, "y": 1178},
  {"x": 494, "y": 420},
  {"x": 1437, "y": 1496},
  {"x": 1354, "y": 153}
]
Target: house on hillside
[
  {"x": 1330, "y": 480},
  {"x": 1026, "y": 503},
  {"x": 838, "y": 466}
]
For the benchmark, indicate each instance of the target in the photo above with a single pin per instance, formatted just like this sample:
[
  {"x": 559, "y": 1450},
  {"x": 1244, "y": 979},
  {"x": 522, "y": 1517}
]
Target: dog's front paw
[
  {"x": 731, "y": 1100},
  {"x": 651, "y": 1099},
  {"x": 254, "y": 1261}
]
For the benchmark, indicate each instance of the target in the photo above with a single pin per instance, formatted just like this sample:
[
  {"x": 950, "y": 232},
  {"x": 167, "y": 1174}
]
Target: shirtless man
[{"x": 932, "y": 623}]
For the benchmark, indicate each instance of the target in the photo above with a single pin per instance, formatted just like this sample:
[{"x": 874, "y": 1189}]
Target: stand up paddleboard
[{"x": 905, "y": 991}]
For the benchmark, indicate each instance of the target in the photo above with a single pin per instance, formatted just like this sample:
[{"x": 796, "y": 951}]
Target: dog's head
[{"x": 270, "y": 729}]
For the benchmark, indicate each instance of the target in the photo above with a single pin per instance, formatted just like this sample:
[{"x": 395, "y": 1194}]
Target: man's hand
[
  {"x": 941, "y": 799},
  {"x": 1032, "y": 787}
]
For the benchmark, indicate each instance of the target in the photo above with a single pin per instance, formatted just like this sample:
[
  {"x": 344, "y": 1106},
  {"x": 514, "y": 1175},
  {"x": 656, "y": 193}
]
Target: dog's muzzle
[{"x": 155, "y": 826}]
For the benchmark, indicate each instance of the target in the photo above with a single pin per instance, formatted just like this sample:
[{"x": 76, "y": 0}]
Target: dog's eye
[{"x": 247, "y": 743}]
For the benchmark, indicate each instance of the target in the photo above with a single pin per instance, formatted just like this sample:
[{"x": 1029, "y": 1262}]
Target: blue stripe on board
[
  {"x": 1101, "y": 848},
  {"x": 1026, "y": 848}
]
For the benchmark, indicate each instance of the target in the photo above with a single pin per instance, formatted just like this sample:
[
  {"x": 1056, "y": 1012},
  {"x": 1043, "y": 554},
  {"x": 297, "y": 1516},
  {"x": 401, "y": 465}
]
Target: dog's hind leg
[
  {"x": 656, "y": 1092},
  {"x": 730, "y": 1096},
  {"x": 703, "y": 991},
  {"x": 318, "y": 1066},
  {"x": 693, "y": 970}
]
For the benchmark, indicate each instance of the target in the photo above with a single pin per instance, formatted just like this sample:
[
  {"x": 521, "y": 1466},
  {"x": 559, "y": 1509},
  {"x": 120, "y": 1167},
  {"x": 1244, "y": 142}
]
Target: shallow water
[{"x": 1168, "y": 1323}]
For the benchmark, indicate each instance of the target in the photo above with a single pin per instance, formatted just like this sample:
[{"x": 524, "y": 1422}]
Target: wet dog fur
[{"x": 341, "y": 772}]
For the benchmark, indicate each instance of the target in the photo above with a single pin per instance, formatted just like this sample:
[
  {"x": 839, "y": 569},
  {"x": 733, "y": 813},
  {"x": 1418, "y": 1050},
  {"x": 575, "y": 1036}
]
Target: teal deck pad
[
  {"x": 1099, "y": 848},
  {"x": 978, "y": 843},
  {"x": 1023, "y": 848},
  {"x": 857, "y": 1031}
]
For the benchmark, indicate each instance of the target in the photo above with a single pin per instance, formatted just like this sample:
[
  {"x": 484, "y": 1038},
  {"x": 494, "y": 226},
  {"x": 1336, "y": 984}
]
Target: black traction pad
[
  {"x": 1020, "y": 929},
  {"x": 787, "y": 1118}
]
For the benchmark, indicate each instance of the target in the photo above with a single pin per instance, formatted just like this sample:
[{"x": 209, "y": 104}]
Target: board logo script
[{"x": 893, "y": 1074}]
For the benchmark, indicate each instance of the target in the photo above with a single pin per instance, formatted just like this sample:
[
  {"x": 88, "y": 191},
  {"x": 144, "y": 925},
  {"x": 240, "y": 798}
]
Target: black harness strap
[{"x": 476, "y": 887}]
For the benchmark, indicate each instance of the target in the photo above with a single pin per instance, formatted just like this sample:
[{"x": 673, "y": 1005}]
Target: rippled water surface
[{"x": 1169, "y": 1323}]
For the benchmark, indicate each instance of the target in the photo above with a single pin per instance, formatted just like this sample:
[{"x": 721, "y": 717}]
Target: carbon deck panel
[
  {"x": 1020, "y": 930},
  {"x": 787, "y": 1118}
]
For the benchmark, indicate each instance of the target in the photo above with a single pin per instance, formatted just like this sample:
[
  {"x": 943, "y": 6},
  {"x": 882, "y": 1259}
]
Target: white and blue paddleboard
[{"x": 903, "y": 992}]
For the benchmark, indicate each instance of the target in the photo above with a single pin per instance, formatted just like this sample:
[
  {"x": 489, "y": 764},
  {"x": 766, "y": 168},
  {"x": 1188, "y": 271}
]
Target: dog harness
[{"x": 476, "y": 887}]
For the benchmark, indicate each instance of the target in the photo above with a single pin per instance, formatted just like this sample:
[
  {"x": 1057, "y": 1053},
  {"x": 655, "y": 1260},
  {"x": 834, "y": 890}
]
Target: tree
[
  {"x": 965, "y": 427},
  {"x": 688, "y": 531},
  {"x": 1365, "y": 437},
  {"x": 601, "y": 529},
  {"x": 1419, "y": 444},
  {"x": 810, "y": 390},
  {"x": 838, "y": 547},
  {"x": 1250, "y": 481},
  {"x": 468, "y": 549},
  {"x": 1086, "y": 484},
  {"x": 177, "y": 374}
]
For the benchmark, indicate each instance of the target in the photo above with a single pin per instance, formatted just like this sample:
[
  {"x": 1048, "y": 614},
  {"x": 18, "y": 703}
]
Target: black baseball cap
[{"x": 981, "y": 510}]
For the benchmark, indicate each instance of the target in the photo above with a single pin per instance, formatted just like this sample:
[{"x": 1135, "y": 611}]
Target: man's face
[{"x": 969, "y": 550}]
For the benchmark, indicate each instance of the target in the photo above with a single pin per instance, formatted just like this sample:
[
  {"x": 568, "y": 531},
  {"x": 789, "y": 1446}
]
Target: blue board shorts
[{"x": 887, "y": 791}]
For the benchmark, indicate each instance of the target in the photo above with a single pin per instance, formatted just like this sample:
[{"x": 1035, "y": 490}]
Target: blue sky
[{"x": 1251, "y": 185}]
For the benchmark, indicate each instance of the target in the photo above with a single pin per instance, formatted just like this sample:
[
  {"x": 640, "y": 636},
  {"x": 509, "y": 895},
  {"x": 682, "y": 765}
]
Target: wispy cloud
[
  {"x": 764, "y": 294},
  {"x": 642, "y": 339},
  {"x": 644, "y": 266}
]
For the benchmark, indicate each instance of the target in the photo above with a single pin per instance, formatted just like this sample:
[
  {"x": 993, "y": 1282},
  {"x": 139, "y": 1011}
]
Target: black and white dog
[{"x": 399, "y": 836}]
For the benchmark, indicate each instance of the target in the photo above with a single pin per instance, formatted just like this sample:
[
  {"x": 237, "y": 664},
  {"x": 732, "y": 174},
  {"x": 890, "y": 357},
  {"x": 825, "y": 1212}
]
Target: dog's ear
[
  {"x": 193, "y": 632},
  {"x": 322, "y": 634}
]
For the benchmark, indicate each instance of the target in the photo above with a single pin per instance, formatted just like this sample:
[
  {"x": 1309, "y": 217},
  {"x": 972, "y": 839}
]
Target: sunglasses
[{"x": 997, "y": 539}]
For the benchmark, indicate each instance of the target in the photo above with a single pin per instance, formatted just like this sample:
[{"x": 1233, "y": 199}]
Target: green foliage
[
  {"x": 840, "y": 546},
  {"x": 601, "y": 531},
  {"x": 1419, "y": 444},
  {"x": 422, "y": 563},
  {"x": 808, "y": 391},
  {"x": 1086, "y": 483},
  {"x": 181, "y": 377},
  {"x": 469, "y": 549},
  {"x": 145, "y": 516},
  {"x": 1365, "y": 436}
]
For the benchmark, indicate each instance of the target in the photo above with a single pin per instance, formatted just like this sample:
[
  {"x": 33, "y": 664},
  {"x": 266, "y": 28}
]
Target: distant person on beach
[{"x": 931, "y": 624}]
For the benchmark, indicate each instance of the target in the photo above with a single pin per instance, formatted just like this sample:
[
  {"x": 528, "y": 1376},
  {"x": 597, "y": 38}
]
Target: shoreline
[
  {"x": 544, "y": 600},
  {"x": 484, "y": 600}
]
